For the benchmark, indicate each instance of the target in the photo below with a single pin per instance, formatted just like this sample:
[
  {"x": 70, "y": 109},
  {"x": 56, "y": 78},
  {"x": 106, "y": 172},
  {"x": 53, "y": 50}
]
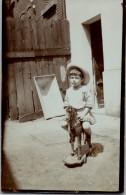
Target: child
[{"x": 79, "y": 97}]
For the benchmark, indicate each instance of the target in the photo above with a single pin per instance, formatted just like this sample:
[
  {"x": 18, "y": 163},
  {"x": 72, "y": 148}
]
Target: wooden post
[
  {"x": 37, "y": 105},
  {"x": 27, "y": 86},
  {"x": 12, "y": 92},
  {"x": 21, "y": 101}
]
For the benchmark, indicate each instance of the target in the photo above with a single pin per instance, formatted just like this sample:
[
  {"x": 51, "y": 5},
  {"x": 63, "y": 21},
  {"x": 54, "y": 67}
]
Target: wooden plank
[
  {"x": 12, "y": 32},
  {"x": 42, "y": 61},
  {"x": 12, "y": 92},
  {"x": 27, "y": 87},
  {"x": 37, "y": 105},
  {"x": 8, "y": 35},
  {"x": 65, "y": 34},
  {"x": 59, "y": 33},
  {"x": 45, "y": 67},
  {"x": 32, "y": 116},
  {"x": 40, "y": 34},
  {"x": 38, "y": 67},
  {"x": 54, "y": 35},
  {"x": 24, "y": 34},
  {"x": 45, "y": 33},
  {"x": 38, "y": 29},
  {"x": 18, "y": 36},
  {"x": 50, "y": 65},
  {"x": 34, "y": 34},
  {"x": 27, "y": 35},
  {"x": 49, "y": 35},
  {"x": 51, "y": 102},
  {"x": 64, "y": 79},
  {"x": 31, "y": 36},
  {"x": 56, "y": 64},
  {"x": 64, "y": 9},
  {"x": 33, "y": 41},
  {"x": 20, "y": 89}
]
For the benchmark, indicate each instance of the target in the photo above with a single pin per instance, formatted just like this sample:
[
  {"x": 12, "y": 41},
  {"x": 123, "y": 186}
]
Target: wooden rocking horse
[{"x": 75, "y": 130}]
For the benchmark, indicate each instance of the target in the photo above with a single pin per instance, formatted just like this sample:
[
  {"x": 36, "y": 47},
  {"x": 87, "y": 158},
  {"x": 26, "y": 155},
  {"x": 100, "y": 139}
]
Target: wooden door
[{"x": 98, "y": 61}]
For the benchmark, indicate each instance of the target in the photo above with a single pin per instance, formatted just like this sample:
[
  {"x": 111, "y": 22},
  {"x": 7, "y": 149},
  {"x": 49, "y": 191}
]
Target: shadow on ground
[
  {"x": 97, "y": 148},
  {"x": 8, "y": 183},
  {"x": 72, "y": 162}
]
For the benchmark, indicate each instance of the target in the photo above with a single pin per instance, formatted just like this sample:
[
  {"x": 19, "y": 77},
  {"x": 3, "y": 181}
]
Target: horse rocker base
[{"x": 72, "y": 160}]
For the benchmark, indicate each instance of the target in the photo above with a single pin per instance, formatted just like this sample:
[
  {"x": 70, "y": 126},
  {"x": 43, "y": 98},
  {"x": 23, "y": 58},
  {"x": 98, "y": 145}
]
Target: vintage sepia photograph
[{"x": 62, "y": 99}]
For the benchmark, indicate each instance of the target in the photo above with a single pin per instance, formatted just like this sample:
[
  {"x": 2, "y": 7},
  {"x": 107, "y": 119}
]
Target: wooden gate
[{"x": 34, "y": 48}]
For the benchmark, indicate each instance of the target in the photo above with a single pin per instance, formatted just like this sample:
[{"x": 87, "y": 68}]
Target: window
[
  {"x": 49, "y": 10},
  {"x": 22, "y": 16}
]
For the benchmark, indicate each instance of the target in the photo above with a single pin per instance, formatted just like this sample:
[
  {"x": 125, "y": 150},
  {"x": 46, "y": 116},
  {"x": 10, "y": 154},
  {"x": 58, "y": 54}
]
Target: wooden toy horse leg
[
  {"x": 72, "y": 148},
  {"x": 79, "y": 147},
  {"x": 71, "y": 141}
]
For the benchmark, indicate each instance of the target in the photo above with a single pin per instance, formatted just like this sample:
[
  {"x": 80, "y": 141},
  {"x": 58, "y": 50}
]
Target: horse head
[{"x": 74, "y": 122}]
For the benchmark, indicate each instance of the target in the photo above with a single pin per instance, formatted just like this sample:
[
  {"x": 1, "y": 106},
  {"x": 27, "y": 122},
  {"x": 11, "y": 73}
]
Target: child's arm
[
  {"x": 66, "y": 107},
  {"x": 85, "y": 112},
  {"x": 88, "y": 104},
  {"x": 66, "y": 102}
]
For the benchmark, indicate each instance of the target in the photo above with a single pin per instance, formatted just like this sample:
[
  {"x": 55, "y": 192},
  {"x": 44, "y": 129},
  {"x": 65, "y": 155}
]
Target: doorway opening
[{"x": 97, "y": 62}]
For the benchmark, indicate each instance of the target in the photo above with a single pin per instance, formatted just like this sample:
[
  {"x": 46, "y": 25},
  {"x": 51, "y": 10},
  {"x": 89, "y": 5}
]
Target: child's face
[{"x": 75, "y": 80}]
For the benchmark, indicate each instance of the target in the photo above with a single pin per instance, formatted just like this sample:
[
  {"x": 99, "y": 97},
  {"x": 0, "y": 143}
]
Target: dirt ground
[{"x": 33, "y": 154}]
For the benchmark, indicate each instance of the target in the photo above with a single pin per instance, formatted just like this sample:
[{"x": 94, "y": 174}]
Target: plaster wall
[
  {"x": 80, "y": 14},
  {"x": 112, "y": 91}
]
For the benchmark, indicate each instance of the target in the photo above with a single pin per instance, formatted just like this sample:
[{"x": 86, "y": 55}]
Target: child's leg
[
  {"x": 65, "y": 126},
  {"x": 79, "y": 147},
  {"x": 87, "y": 129}
]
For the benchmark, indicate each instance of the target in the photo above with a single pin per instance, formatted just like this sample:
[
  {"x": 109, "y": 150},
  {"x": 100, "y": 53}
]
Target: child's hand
[
  {"x": 81, "y": 116},
  {"x": 68, "y": 109}
]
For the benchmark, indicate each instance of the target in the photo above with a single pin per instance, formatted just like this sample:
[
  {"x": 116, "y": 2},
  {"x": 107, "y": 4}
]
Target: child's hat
[{"x": 86, "y": 76}]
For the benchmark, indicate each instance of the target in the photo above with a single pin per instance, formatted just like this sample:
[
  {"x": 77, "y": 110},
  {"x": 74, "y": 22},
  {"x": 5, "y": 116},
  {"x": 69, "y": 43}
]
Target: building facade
[
  {"x": 96, "y": 44},
  {"x": 46, "y": 9}
]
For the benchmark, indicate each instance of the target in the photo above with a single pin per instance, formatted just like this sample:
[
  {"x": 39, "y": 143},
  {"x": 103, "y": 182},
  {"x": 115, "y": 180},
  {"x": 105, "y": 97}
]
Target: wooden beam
[
  {"x": 38, "y": 53},
  {"x": 53, "y": 52},
  {"x": 20, "y": 54}
]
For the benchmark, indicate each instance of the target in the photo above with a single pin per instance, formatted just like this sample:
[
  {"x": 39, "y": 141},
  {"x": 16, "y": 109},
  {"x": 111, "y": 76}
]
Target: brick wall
[{"x": 24, "y": 9}]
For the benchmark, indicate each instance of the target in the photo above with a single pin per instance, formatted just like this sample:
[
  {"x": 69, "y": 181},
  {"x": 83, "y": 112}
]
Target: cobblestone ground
[{"x": 33, "y": 154}]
